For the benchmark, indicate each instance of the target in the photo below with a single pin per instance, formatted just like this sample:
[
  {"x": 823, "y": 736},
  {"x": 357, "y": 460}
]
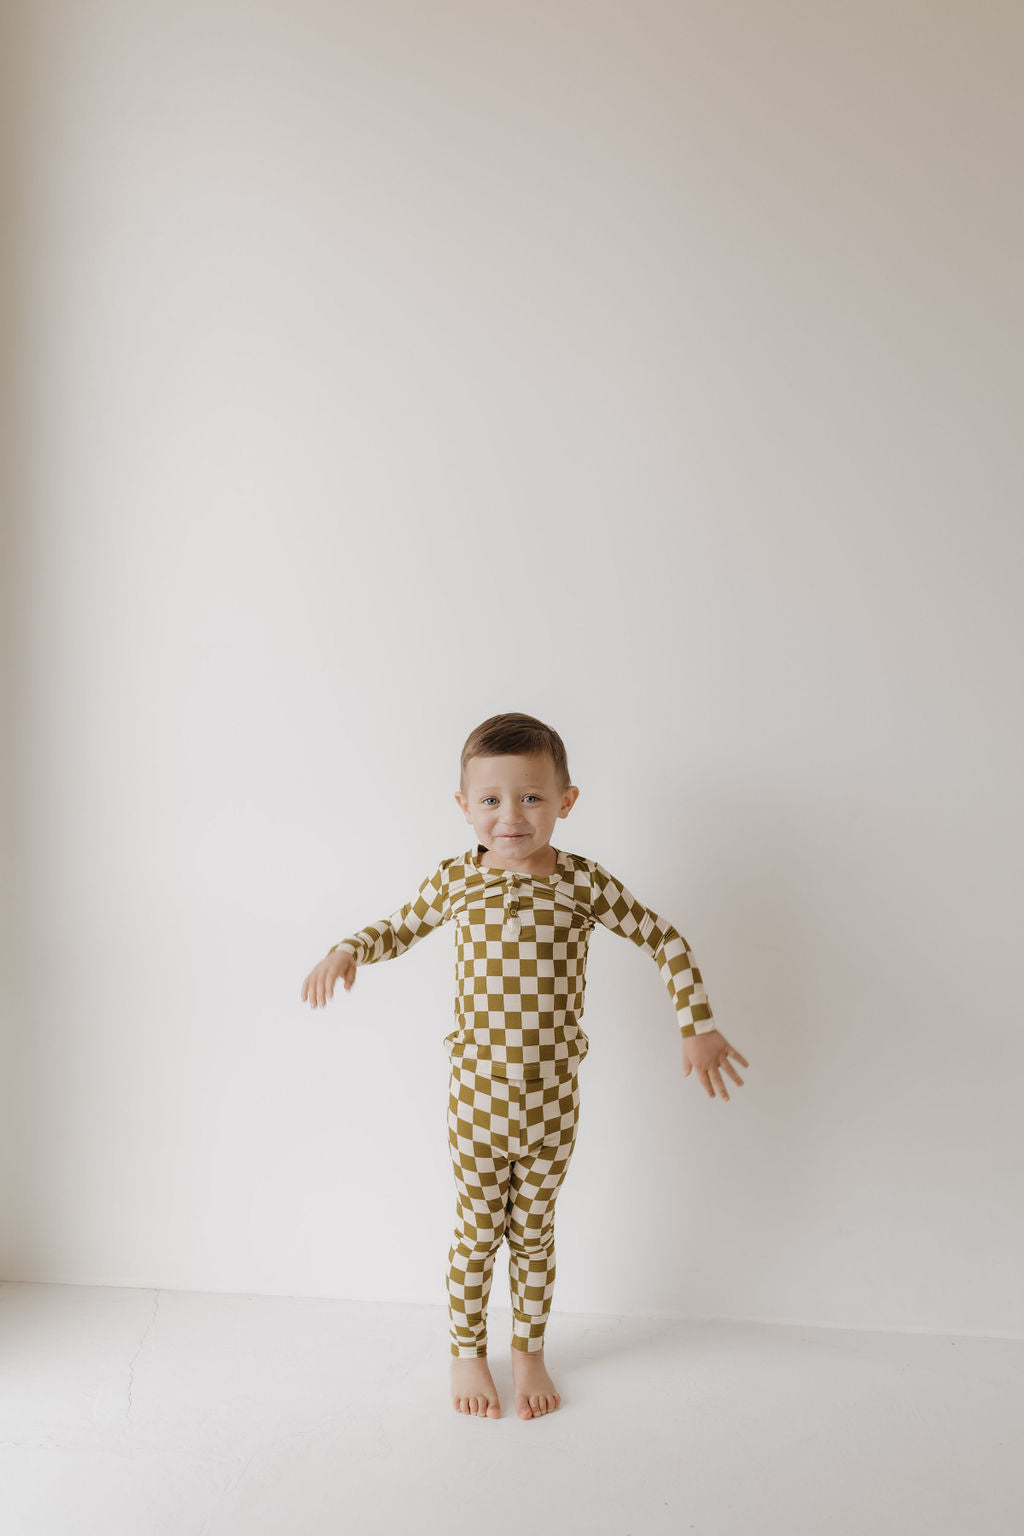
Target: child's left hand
[{"x": 709, "y": 1053}]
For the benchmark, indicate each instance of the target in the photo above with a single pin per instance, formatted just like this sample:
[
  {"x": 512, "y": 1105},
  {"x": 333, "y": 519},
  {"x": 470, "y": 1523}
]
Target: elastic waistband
[{"x": 561, "y": 1075}]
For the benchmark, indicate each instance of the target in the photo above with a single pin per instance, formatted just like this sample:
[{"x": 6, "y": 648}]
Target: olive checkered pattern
[
  {"x": 520, "y": 957},
  {"x": 513, "y": 1097},
  {"x": 511, "y": 1140}
]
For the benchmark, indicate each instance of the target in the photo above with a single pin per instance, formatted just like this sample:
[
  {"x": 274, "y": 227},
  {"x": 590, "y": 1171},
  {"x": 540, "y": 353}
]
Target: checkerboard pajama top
[{"x": 521, "y": 954}]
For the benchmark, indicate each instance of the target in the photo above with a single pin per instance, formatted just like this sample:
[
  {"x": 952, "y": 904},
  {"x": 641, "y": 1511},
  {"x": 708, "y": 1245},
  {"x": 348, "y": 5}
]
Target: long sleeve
[
  {"x": 618, "y": 909},
  {"x": 392, "y": 936}
]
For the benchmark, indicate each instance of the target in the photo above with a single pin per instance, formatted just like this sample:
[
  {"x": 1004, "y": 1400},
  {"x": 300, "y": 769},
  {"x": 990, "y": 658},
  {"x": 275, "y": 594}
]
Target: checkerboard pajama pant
[{"x": 510, "y": 1142}]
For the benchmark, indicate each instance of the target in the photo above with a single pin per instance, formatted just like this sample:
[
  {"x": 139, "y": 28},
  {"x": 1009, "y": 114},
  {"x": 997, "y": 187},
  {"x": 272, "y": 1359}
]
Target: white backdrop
[{"x": 652, "y": 369}]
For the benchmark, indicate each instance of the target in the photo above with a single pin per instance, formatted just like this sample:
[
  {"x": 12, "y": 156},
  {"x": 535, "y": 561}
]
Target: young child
[{"x": 523, "y": 914}]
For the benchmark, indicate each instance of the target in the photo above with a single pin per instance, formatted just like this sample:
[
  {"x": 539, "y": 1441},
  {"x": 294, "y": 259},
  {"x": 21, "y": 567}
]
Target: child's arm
[
  {"x": 382, "y": 940},
  {"x": 391, "y": 936},
  {"x": 618, "y": 909},
  {"x": 704, "y": 1049}
]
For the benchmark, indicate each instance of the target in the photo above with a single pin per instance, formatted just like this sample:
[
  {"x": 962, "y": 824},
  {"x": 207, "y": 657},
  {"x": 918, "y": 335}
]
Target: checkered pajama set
[{"x": 513, "y": 1093}]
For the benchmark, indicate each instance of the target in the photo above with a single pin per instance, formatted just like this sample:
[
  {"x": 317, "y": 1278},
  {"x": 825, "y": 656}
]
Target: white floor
[{"x": 140, "y": 1413}]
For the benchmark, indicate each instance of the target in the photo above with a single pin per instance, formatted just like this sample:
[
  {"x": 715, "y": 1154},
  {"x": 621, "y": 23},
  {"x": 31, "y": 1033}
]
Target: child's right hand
[{"x": 319, "y": 984}]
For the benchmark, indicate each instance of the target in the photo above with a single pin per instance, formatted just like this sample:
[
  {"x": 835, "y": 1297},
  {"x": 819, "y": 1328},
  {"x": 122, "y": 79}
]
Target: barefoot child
[{"x": 523, "y": 914}]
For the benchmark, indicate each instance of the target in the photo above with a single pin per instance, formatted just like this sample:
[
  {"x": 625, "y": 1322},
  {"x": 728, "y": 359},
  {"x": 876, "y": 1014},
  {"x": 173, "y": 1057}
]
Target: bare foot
[
  {"x": 473, "y": 1389},
  {"x": 535, "y": 1391}
]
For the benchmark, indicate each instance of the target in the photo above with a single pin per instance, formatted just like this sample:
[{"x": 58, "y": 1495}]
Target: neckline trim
[{"x": 485, "y": 869}]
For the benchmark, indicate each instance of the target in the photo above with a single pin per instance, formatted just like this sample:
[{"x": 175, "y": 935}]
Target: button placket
[{"x": 511, "y": 926}]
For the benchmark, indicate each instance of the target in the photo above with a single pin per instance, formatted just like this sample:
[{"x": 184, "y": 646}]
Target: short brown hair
[{"x": 521, "y": 735}]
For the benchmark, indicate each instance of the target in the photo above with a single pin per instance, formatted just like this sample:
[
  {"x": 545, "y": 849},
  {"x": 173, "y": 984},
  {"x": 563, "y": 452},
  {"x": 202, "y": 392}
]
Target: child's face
[{"x": 513, "y": 803}]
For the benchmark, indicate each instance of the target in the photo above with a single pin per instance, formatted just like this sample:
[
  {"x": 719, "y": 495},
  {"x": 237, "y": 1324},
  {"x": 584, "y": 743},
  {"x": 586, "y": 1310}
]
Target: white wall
[{"x": 653, "y": 369}]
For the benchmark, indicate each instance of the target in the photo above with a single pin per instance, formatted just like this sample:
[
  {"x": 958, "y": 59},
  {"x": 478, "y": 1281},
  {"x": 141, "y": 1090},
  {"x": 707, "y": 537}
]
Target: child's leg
[
  {"x": 478, "y": 1136},
  {"x": 549, "y": 1119}
]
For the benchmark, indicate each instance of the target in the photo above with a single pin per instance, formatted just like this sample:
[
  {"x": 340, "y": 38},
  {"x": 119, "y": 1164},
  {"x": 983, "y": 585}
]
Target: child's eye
[{"x": 526, "y": 797}]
